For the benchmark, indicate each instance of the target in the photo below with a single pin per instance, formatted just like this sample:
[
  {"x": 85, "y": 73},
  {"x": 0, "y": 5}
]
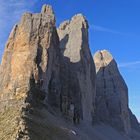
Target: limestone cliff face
[
  {"x": 29, "y": 73},
  {"x": 40, "y": 74},
  {"x": 77, "y": 67},
  {"x": 48, "y": 77},
  {"x": 31, "y": 53},
  {"x": 112, "y": 93}
]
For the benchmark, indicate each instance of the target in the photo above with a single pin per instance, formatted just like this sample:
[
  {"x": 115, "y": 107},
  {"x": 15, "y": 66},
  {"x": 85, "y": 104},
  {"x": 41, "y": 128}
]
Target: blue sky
[{"x": 114, "y": 25}]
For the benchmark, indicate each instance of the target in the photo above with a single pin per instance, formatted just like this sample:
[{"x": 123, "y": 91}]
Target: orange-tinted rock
[
  {"x": 33, "y": 45},
  {"x": 30, "y": 64}
]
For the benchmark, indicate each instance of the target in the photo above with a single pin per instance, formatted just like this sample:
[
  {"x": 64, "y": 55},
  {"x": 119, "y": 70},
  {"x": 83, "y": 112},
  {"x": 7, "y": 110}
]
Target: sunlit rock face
[
  {"x": 31, "y": 52},
  {"x": 77, "y": 67},
  {"x": 29, "y": 73},
  {"x": 111, "y": 93}
]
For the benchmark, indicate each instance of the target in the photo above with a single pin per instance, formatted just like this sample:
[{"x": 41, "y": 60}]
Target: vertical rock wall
[
  {"x": 46, "y": 70},
  {"x": 29, "y": 76},
  {"x": 31, "y": 52},
  {"x": 111, "y": 93},
  {"x": 77, "y": 67}
]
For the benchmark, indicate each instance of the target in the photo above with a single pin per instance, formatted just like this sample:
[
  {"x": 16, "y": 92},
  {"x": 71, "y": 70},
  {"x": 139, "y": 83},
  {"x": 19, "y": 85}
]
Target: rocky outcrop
[
  {"x": 30, "y": 70},
  {"x": 77, "y": 68},
  {"x": 111, "y": 93}
]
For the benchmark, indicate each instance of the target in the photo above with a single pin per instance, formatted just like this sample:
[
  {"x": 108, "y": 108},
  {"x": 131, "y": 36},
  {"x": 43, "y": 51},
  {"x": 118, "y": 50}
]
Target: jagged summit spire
[
  {"x": 103, "y": 54},
  {"x": 78, "y": 19},
  {"x": 32, "y": 45},
  {"x": 76, "y": 56},
  {"x": 102, "y": 59},
  {"x": 48, "y": 12},
  {"x": 47, "y": 9}
]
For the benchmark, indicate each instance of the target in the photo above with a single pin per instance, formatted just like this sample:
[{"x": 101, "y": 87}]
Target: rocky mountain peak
[
  {"x": 47, "y": 9},
  {"x": 111, "y": 93},
  {"x": 78, "y": 24},
  {"x": 102, "y": 59},
  {"x": 49, "y": 88},
  {"x": 81, "y": 19},
  {"x": 104, "y": 55},
  {"x": 29, "y": 69},
  {"x": 77, "y": 65}
]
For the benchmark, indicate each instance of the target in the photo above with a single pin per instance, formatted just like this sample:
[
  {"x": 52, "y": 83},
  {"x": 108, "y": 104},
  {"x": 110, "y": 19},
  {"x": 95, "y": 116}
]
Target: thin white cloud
[
  {"x": 98, "y": 28},
  {"x": 10, "y": 13},
  {"x": 104, "y": 29},
  {"x": 18, "y": 3},
  {"x": 128, "y": 64},
  {"x": 11, "y": 10}
]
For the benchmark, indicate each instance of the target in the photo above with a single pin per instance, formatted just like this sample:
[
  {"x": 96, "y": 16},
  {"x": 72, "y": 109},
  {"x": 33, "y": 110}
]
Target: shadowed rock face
[
  {"x": 29, "y": 70},
  {"x": 112, "y": 93},
  {"x": 77, "y": 67},
  {"x": 134, "y": 122}
]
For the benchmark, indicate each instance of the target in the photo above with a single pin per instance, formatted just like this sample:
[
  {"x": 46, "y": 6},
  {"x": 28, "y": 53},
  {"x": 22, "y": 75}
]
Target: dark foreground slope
[{"x": 42, "y": 125}]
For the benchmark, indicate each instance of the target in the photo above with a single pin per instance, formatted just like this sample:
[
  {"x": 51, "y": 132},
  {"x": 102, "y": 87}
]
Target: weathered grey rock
[
  {"x": 29, "y": 71},
  {"x": 111, "y": 93},
  {"x": 77, "y": 68},
  {"x": 134, "y": 122}
]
